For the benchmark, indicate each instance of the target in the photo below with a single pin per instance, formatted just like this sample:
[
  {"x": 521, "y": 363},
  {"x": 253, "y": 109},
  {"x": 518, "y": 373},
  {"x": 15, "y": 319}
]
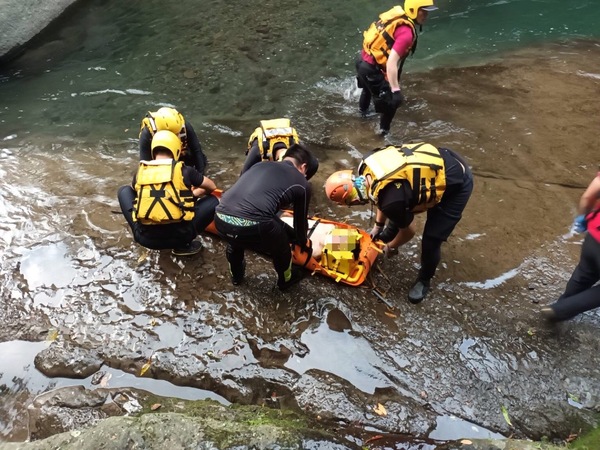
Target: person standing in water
[{"x": 386, "y": 45}]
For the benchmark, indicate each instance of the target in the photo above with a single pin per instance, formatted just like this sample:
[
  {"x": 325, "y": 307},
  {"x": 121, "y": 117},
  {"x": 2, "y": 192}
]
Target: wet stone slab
[{"x": 476, "y": 349}]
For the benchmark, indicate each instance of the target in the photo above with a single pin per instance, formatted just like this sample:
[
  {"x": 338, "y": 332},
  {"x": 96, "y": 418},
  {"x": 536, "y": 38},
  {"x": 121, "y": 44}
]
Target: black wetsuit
[
  {"x": 581, "y": 293},
  {"x": 172, "y": 235},
  {"x": 247, "y": 215},
  {"x": 254, "y": 157},
  {"x": 193, "y": 155},
  {"x": 396, "y": 201}
]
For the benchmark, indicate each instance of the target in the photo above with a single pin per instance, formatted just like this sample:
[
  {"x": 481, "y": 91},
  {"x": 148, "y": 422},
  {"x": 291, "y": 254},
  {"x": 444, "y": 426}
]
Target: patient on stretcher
[
  {"x": 321, "y": 230},
  {"x": 340, "y": 243}
]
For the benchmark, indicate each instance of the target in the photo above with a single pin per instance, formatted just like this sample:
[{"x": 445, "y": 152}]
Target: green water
[{"x": 228, "y": 64}]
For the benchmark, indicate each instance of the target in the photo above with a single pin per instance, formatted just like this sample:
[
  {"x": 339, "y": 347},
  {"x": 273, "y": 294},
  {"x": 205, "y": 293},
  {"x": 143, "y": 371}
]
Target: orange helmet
[{"x": 344, "y": 188}]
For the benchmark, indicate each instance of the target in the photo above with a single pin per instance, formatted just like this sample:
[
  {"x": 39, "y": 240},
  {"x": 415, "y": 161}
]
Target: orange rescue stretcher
[{"x": 347, "y": 254}]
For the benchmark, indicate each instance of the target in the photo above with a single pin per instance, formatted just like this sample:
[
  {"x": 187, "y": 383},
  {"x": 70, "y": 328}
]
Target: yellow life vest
[
  {"x": 420, "y": 164},
  {"x": 379, "y": 37},
  {"x": 162, "y": 196},
  {"x": 271, "y": 132}
]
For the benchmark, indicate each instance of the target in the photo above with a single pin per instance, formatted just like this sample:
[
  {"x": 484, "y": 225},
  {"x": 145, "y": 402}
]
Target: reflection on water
[
  {"x": 452, "y": 427},
  {"x": 20, "y": 382},
  {"x": 349, "y": 357},
  {"x": 48, "y": 265},
  {"x": 19, "y": 372},
  {"x": 490, "y": 284}
]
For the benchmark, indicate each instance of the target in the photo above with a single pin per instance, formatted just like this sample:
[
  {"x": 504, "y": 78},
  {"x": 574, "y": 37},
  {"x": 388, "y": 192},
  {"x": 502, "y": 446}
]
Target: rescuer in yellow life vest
[
  {"x": 402, "y": 181},
  {"x": 270, "y": 141},
  {"x": 170, "y": 119},
  {"x": 386, "y": 45},
  {"x": 168, "y": 203}
]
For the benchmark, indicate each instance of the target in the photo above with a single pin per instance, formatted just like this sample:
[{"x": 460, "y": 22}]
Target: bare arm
[
  {"x": 206, "y": 187},
  {"x": 391, "y": 69},
  {"x": 403, "y": 236},
  {"x": 590, "y": 196}
]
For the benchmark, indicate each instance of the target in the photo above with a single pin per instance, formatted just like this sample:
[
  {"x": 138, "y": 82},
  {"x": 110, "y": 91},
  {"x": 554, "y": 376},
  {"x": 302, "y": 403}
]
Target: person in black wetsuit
[
  {"x": 403, "y": 181},
  {"x": 247, "y": 215},
  {"x": 170, "y": 119},
  {"x": 270, "y": 141},
  {"x": 162, "y": 206}
]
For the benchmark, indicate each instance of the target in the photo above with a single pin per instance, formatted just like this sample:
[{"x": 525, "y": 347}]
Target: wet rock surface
[
  {"x": 475, "y": 349},
  {"x": 22, "y": 20},
  {"x": 105, "y": 418}
]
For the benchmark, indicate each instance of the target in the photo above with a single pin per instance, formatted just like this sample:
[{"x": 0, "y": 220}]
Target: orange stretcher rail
[{"x": 353, "y": 274}]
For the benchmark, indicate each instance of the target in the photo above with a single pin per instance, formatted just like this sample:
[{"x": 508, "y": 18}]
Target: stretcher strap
[{"x": 313, "y": 228}]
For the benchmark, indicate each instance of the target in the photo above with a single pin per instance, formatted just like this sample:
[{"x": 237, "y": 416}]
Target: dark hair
[
  {"x": 303, "y": 155},
  {"x": 160, "y": 150}
]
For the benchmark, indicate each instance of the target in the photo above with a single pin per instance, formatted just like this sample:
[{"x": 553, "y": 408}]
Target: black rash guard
[
  {"x": 266, "y": 188},
  {"x": 193, "y": 155}
]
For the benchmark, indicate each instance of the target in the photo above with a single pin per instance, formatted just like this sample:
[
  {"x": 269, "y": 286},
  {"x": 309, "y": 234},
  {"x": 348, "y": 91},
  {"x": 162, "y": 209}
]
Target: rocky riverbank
[{"x": 116, "y": 419}]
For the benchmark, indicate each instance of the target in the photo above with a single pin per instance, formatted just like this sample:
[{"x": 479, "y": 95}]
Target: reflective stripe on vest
[
  {"x": 272, "y": 132},
  {"x": 420, "y": 164}
]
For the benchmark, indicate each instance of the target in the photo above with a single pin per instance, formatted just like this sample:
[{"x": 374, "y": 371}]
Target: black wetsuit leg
[
  {"x": 580, "y": 294},
  {"x": 374, "y": 80},
  {"x": 268, "y": 237},
  {"x": 155, "y": 237},
  {"x": 441, "y": 221},
  {"x": 204, "y": 212},
  {"x": 126, "y": 196}
]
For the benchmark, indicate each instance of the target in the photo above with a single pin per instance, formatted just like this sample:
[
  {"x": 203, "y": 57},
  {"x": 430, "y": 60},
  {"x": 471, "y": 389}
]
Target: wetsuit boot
[
  {"x": 418, "y": 291},
  {"x": 237, "y": 274},
  {"x": 188, "y": 250}
]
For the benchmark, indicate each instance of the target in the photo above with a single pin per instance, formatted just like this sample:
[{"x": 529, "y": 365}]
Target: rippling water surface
[{"x": 69, "y": 120}]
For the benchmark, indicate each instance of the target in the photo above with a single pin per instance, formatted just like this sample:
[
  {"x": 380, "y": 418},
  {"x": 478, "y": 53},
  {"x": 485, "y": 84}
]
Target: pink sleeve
[{"x": 403, "y": 40}]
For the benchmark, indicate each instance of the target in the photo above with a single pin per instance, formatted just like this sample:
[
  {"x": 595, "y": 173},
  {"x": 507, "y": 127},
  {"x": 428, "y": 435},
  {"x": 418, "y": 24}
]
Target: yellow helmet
[
  {"x": 166, "y": 119},
  {"x": 344, "y": 188},
  {"x": 167, "y": 140},
  {"x": 411, "y": 7}
]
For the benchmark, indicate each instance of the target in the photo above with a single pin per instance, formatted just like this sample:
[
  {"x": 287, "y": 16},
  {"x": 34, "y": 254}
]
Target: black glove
[
  {"x": 397, "y": 99},
  {"x": 383, "y": 101},
  {"x": 389, "y": 232}
]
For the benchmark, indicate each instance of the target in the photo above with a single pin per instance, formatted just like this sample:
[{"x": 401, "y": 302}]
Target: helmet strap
[{"x": 152, "y": 123}]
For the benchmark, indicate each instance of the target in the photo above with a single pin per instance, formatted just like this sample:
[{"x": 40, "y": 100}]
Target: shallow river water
[{"x": 77, "y": 292}]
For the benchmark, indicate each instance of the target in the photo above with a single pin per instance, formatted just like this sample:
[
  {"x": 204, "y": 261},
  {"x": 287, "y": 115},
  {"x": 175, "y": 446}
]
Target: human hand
[
  {"x": 389, "y": 252},
  {"x": 198, "y": 191},
  {"x": 579, "y": 224},
  {"x": 374, "y": 233},
  {"x": 397, "y": 99}
]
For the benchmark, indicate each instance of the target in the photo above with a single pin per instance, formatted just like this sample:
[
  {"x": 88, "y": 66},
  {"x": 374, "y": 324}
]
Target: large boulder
[{"x": 22, "y": 20}]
